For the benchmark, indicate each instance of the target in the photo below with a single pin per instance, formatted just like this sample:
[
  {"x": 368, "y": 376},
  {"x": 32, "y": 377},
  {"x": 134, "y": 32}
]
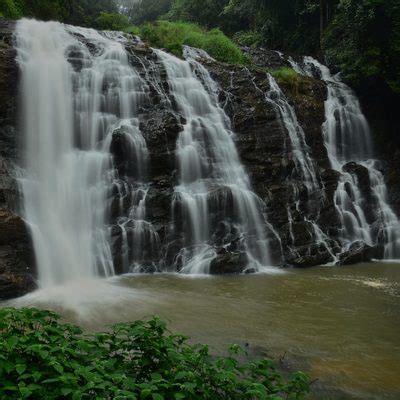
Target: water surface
[{"x": 341, "y": 325}]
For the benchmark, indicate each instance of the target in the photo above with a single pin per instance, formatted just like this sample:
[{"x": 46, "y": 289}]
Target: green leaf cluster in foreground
[{"x": 42, "y": 358}]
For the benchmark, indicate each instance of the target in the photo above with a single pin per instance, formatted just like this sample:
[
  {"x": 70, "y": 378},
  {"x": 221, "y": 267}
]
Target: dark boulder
[
  {"x": 360, "y": 252},
  {"x": 17, "y": 272},
  {"x": 229, "y": 263},
  {"x": 310, "y": 256}
]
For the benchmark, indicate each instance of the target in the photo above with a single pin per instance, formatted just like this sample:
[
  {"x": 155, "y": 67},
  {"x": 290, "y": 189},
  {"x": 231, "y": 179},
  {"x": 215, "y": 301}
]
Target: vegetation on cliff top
[
  {"x": 360, "y": 37},
  {"x": 172, "y": 35},
  {"x": 75, "y": 12},
  {"x": 42, "y": 358}
]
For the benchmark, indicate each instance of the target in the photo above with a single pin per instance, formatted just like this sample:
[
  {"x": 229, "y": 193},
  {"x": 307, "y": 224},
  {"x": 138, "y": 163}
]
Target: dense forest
[{"x": 360, "y": 38}]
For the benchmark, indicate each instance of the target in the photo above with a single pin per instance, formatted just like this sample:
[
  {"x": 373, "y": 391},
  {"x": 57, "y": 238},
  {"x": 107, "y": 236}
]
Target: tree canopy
[
  {"x": 76, "y": 12},
  {"x": 360, "y": 37}
]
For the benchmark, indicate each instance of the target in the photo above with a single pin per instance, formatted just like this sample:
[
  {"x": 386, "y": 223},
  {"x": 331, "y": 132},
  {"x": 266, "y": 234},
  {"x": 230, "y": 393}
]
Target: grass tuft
[{"x": 172, "y": 35}]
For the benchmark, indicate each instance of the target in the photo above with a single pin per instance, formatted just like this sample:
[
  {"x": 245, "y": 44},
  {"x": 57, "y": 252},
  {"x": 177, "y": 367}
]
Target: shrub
[
  {"x": 172, "y": 35},
  {"x": 289, "y": 78},
  {"x": 217, "y": 45},
  {"x": 248, "y": 38},
  {"x": 134, "y": 30},
  {"x": 10, "y": 9},
  {"x": 42, "y": 358},
  {"x": 286, "y": 75},
  {"x": 112, "y": 21}
]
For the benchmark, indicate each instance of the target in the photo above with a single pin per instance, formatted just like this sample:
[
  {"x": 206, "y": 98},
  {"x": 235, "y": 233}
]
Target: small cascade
[
  {"x": 80, "y": 103},
  {"x": 305, "y": 174},
  {"x": 301, "y": 153},
  {"x": 213, "y": 202},
  {"x": 364, "y": 215}
]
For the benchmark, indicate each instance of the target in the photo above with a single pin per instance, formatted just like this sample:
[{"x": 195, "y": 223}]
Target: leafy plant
[
  {"x": 286, "y": 75},
  {"x": 363, "y": 40},
  {"x": 172, "y": 35},
  {"x": 42, "y": 358},
  {"x": 10, "y": 9},
  {"x": 248, "y": 38},
  {"x": 112, "y": 21}
]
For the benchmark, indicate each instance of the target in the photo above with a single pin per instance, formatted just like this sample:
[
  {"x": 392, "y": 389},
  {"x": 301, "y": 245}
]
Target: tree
[
  {"x": 140, "y": 11},
  {"x": 112, "y": 21},
  {"x": 208, "y": 13},
  {"x": 9, "y": 9},
  {"x": 364, "y": 41}
]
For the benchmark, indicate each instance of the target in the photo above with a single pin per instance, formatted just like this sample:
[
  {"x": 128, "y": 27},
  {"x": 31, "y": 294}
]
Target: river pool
[{"x": 339, "y": 324}]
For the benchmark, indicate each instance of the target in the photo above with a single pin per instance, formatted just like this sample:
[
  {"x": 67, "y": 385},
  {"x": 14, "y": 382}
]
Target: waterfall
[
  {"x": 92, "y": 103},
  {"x": 305, "y": 169},
  {"x": 348, "y": 142},
  {"x": 301, "y": 152},
  {"x": 86, "y": 164},
  {"x": 79, "y": 96},
  {"x": 212, "y": 181}
]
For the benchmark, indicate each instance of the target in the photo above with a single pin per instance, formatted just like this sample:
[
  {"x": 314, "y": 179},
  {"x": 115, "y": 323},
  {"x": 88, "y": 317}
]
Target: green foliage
[
  {"x": 77, "y": 12},
  {"x": 248, "y": 38},
  {"x": 112, "y": 21},
  {"x": 283, "y": 24},
  {"x": 217, "y": 45},
  {"x": 42, "y": 358},
  {"x": 364, "y": 41},
  {"x": 172, "y": 35},
  {"x": 361, "y": 37},
  {"x": 134, "y": 30},
  {"x": 207, "y": 12},
  {"x": 10, "y": 9},
  {"x": 286, "y": 75},
  {"x": 289, "y": 78},
  {"x": 146, "y": 10}
]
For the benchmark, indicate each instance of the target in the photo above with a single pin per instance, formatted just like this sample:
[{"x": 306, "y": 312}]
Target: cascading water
[
  {"x": 88, "y": 180},
  {"x": 300, "y": 150},
  {"x": 211, "y": 177},
  {"x": 348, "y": 140},
  {"x": 78, "y": 92},
  {"x": 305, "y": 169}
]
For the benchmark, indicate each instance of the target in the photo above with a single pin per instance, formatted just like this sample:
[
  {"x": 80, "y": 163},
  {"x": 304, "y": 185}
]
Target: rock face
[
  {"x": 16, "y": 257},
  {"x": 263, "y": 146}
]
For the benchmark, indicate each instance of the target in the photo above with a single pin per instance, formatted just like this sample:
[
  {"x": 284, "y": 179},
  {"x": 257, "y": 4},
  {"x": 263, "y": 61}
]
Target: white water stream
[
  {"x": 77, "y": 89},
  {"x": 81, "y": 95},
  {"x": 348, "y": 139},
  {"x": 210, "y": 173}
]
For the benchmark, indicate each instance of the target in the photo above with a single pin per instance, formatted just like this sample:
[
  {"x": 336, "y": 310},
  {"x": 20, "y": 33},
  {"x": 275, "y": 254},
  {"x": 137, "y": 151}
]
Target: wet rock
[
  {"x": 360, "y": 252},
  {"x": 229, "y": 263},
  {"x": 309, "y": 256},
  {"x": 12, "y": 227},
  {"x": 17, "y": 272},
  {"x": 264, "y": 58},
  {"x": 362, "y": 175},
  {"x": 302, "y": 233}
]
